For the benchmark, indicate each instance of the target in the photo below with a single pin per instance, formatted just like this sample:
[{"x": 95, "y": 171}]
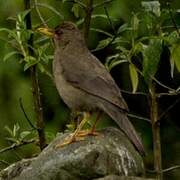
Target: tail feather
[{"x": 125, "y": 125}]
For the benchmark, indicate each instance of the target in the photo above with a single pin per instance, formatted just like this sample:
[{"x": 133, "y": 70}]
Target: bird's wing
[{"x": 91, "y": 76}]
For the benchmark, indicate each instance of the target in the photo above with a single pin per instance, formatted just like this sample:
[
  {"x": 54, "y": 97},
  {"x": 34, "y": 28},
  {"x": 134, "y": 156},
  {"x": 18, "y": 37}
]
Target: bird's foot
[
  {"x": 70, "y": 139},
  {"x": 87, "y": 132},
  {"x": 80, "y": 136}
]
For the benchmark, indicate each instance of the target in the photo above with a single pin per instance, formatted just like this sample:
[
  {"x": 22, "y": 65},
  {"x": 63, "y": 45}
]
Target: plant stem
[
  {"x": 35, "y": 83},
  {"x": 17, "y": 145},
  {"x": 156, "y": 133},
  {"x": 87, "y": 20},
  {"x": 38, "y": 108}
]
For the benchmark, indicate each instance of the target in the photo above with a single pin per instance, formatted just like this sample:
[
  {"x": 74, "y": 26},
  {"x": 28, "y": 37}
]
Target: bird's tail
[{"x": 125, "y": 125}]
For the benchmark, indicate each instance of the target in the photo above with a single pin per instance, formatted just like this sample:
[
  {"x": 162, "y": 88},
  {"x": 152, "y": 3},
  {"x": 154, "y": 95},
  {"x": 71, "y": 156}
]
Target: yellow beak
[{"x": 48, "y": 32}]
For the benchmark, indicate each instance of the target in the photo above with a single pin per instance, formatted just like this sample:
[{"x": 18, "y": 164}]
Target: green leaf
[
  {"x": 134, "y": 77},
  {"x": 173, "y": 38},
  {"x": 123, "y": 28},
  {"x": 8, "y": 130},
  {"x": 23, "y": 14},
  {"x": 116, "y": 62},
  {"x": 51, "y": 8},
  {"x": 172, "y": 67},
  {"x": 49, "y": 136},
  {"x": 41, "y": 67},
  {"x": 135, "y": 22},
  {"x": 80, "y": 21},
  {"x": 7, "y": 56},
  {"x": 14, "y": 140},
  {"x": 46, "y": 58},
  {"x": 70, "y": 127},
  {"x": 24, "y": 134},
  {"x": 12, "y": 18},
  {"x": 44, "y": 70},
  {"x": 30, "y": 61},
  {"x": 175, "y": 56},
  {"x": 101, "y": 31},
  {"x": 151, "y": 58},
  {"x": 103, "y": 43},
  {"x": 16, "y": 128},
  {"x": 5, "y": 29},
  {"x": 113, "y": 61},
  {"x": 110, "y": 58},
  {"x": 152, "y": 6},
  {"x": 75, "y": 10},
  {"x": 138, "y": 47},
  {"x": 120, "y": 40},
  {"x": 178, "y": 89}
]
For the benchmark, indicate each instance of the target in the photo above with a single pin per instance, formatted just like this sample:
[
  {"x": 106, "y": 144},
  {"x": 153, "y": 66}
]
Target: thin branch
[
  {"x": 17, "y": 145},
  {"x": 164, "y": 170},
  {"x": 168, "y": 109},
  {"x": 110, "y": 42},
  {"x": 39, "y": 14},
  {"x": 51, "y": 8},
  {"x": 159, "y": 95},
  {"x": 101, "y": 31},
  {"x": 161, "y": 84},
  {"x": 35, "y": 83},
  {"x": 81, "y": 4},
  {"x": 109, "y": 19},
  {"x": 168, "y": 27},
  {"x": 4, "y": 162},
  {"x": 87, "y": 20},
  {"x": 18, "y": 155},
  {"x": 157, "y": 81},
  {"x": 136, "y": 93},
  {"x": 139, "y": 117},
  {"x": 156, "y": 132},
  {"x": 153, "y": 78},
  {"x": 171, "y": 168},
  {"x": 112, "y": 26},
  {"x": 172, "y": 18},
  {"x": 102, "y": 3},
  {"x": 23, "y": 110}
]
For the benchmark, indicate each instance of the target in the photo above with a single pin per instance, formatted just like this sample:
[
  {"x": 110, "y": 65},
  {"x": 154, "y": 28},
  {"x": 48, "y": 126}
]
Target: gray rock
[
  {"x": 15, "y": 169},
  {"x": 115, "y": 177},
  {"x": 95, "y": 157}
]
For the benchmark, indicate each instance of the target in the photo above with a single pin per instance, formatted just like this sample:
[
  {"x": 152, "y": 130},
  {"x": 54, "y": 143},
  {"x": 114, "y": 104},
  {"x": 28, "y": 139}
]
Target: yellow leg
[
  {"x": 96, "y": 121},
  {"x": 92, "y": 131},
  {"x": 74, "y": 136}
]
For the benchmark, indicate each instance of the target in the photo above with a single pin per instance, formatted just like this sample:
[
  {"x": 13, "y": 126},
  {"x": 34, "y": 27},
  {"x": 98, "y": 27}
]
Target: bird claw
[
  {"x": 70, "y": 139},
  {"x": 87, "y": 132},
  {"x": 80, "y": 136}
]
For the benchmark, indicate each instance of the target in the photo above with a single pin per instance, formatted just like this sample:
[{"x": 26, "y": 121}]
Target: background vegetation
[{"x": 124, "y": 35}]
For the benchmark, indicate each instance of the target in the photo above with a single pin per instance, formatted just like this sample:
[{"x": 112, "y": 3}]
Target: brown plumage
[{"x": 84, "y": 83}]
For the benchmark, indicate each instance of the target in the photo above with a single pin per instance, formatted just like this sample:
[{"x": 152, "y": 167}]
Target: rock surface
[
  {"x": 110, "y": 153},
  {"x": 115, "y": 177}
]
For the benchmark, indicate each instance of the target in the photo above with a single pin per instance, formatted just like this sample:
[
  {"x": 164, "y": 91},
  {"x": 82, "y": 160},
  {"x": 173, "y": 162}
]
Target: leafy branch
[
  {"x": 17, "y": 145},
  {"x": 23, "y": 110},
  {"x": 102, "y": 3},
  {"x": 165, "y": 170},
  {"x": 87, "y": 19},
  {"x": 35, "y": 83},
  {"x": 147, "y": 50}
]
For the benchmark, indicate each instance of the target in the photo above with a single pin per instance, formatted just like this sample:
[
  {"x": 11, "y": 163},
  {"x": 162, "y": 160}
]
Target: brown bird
[{"x": 84, "y": 83}]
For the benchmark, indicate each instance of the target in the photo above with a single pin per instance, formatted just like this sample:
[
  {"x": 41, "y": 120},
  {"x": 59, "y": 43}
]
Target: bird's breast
[{"x": 74, "y": 98}]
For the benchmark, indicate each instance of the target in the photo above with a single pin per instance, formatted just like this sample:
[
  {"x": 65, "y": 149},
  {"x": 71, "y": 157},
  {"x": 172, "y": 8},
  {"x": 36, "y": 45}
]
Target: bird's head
[{"x": 63, "y": 33}]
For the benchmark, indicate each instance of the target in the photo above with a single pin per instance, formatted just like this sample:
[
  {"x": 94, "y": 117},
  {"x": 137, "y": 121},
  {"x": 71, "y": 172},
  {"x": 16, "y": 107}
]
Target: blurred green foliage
[{"x": 130, "y": 26}]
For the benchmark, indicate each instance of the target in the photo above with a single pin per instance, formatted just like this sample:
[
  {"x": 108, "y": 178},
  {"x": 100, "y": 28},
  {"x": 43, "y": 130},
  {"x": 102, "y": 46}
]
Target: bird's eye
[{"x": 58, "y": 32}]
